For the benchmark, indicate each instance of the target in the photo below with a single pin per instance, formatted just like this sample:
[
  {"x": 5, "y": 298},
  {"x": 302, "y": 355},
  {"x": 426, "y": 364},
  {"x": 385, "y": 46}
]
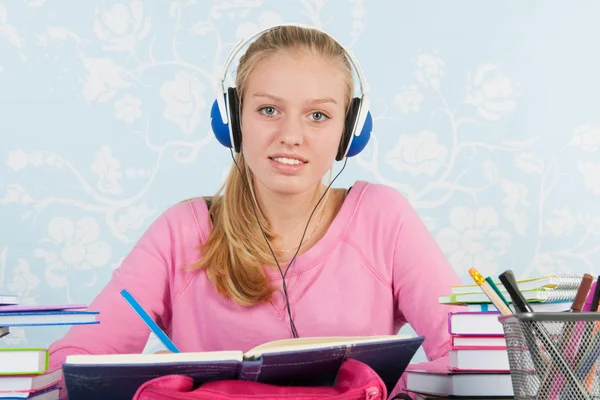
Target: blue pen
[{"x": 149, "y": 321}]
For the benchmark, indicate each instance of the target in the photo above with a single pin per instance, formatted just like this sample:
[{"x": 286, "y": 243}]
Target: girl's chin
[{"x": 288, "y": 185}]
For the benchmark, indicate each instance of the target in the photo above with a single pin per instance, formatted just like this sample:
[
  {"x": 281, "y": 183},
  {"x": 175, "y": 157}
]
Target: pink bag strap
[{"x": 355, "y": 381}]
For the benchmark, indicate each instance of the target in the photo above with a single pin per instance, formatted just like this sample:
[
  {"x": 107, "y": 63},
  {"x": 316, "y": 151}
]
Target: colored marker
[{"x": 149, "y": 321}]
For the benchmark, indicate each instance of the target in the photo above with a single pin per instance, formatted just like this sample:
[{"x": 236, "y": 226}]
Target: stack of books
[
  {"x": 23, "y": 374},
  {"x": 479, "y": 364},
  {"x": 24, "y": 371}
]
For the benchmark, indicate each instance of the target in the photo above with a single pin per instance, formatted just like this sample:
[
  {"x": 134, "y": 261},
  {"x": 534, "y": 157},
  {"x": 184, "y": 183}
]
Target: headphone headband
[
  {"x": 225, "y": 119},
  {"x": 236, "y": 49}
]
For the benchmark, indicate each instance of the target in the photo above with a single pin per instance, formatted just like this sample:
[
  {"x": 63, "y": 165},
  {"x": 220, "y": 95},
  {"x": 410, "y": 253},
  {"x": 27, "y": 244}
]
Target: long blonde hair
[{"x": 235, "y": 252}]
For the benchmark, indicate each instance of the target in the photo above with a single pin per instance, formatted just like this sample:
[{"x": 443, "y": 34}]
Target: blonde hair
[{"x": 235, "y": 252}]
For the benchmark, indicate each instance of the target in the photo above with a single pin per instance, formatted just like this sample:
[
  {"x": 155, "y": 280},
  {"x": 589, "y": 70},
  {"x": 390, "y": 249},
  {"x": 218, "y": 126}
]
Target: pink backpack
[{"x": 355, "y": 381}]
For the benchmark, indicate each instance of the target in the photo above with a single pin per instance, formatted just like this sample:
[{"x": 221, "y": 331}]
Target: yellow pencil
[{"x": 489, "y": 291}]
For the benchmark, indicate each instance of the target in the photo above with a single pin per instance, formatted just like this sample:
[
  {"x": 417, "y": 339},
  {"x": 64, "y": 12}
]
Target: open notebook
[{"x": 303, "y": 361}]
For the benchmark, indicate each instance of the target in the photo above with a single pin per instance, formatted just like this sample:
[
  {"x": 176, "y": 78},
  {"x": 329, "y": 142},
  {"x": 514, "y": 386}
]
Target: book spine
[{"x": 250, "y": 370}]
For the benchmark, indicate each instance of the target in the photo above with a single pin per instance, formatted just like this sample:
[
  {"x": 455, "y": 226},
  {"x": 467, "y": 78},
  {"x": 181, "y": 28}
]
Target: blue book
[
  {"x": 298, "y": 362},
  {"x": 12, "y": 316}
]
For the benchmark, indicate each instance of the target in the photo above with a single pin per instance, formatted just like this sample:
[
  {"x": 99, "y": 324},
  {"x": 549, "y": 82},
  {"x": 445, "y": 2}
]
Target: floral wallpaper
[{"x": 486, "y": 117}]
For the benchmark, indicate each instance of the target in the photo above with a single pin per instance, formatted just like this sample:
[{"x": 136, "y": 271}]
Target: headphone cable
[{"x": 283, "y": 275}]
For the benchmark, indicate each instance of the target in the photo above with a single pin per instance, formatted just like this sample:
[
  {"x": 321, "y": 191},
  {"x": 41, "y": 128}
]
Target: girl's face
[{"x": 292, "y": 121}]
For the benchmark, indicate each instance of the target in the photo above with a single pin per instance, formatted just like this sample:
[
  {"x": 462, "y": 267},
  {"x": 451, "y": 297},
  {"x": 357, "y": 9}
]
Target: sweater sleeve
[
  {"x": 421, "y": 273},
  {"x": 145, "y": 273}
]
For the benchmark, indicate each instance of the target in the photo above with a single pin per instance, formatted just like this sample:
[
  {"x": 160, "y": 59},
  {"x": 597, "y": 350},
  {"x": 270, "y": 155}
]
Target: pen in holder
[{"x": 527, "y": 331}]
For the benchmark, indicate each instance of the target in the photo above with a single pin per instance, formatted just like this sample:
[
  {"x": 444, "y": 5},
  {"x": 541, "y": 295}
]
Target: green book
[{"x": 23, "y": 361}]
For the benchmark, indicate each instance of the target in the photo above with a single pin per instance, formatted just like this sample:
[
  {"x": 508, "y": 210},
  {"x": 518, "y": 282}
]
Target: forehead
[{"x": 299, "y": 76}]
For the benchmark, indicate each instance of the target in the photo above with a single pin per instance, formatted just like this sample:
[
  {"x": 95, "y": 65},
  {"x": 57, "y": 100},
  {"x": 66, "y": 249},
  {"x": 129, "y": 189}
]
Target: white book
[
  {"x": 475, "y": 324},
  {"x": 478, "y": 360},
  {"x": 22, "y": 383},
  {"x": 459, "y": 384},
  {"x": 23, "y": 361},
  {"x": 43, "y": 395},
  {"x": 479, "y": 341}
]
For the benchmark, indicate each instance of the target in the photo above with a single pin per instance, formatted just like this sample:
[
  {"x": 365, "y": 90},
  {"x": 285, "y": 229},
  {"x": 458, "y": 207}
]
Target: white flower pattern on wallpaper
[
  {"x": 563, "y": 223},
  {"x": 448, "y": 165},
  {"x": 184, "y": 101},
  {"x": 77, "y": 246},
  {"x": 587, "y": 138},
  {"x": 492, "y": 93},
  {"x": 265, "y": 20},
  {"x": 474, "y": 239},
  {"x": 128, "y": 108},
  {"x": 418, "y": 154},
  {"x": 9, "y": 31},
  {"x": 516, "y": 205},
  {"x": 134, "y": 217},
  {"x": 591, "y": 175},
  {"x": 23, "y": 282},
  {"x": 105, "y": 78},
  {"x": 108, "y": 170},
  {"x": 122, "y": 26},
  {"x": 409, "y": 100},
  {"x": 430, "y": 70},
  {"x": 16, "y": 338},
  {"x": 15, "y": 194},
  {"x": 17, "y": 160},
  {"x": 529, "y": 163}
]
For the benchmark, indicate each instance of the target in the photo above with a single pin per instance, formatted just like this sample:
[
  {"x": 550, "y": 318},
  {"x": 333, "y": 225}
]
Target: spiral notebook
[
  {"x": 554, "y": 281},
  {"x": 542, "y": 295}
]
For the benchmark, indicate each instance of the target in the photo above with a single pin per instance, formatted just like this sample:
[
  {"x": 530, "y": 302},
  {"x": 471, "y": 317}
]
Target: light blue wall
[{"x": 486, "y": 114}]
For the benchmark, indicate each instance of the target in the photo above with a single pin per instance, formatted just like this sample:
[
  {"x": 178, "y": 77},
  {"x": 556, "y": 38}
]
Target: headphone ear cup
[
  {"x": 359, "y": 142},
  {"x": 354, "y": 143},
  {"x": 234, "y": 117},
  {"x": 220, "y": 129},
  {"x": 348, "y": 128}
]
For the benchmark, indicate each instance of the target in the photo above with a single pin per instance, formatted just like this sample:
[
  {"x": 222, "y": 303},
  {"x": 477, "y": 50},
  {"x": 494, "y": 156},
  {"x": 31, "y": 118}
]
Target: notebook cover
[
  {"x": 40, "y": 308},
  {"x": 116, "y": 382},
  {"x": 27, "y": 322},
  {"x": 304, "y": 367},
  {"x": 320, "y": 367}
]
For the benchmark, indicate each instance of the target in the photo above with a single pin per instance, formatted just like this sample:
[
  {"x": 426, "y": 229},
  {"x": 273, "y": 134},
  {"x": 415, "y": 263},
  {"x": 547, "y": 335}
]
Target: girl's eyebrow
[{"x": 279, "y": 99}]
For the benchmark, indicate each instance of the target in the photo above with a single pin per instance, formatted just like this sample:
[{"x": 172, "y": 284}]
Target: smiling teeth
[{"x": 290, "y": 161}]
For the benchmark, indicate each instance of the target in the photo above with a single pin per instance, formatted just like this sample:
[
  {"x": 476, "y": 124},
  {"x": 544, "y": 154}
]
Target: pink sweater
[{"x": 376, "y": 269}]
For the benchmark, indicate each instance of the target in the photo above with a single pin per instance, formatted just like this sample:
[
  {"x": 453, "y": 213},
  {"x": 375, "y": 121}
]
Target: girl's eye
[
  {"x": 319, "y": 116},
  {"x": 269, "y": 111}
]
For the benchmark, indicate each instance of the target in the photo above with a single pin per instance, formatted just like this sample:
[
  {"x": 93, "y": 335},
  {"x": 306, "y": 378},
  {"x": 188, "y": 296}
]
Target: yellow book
[{"x": 554, "y": 281}]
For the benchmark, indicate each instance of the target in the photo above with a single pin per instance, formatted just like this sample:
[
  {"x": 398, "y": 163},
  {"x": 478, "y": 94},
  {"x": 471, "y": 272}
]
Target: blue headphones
[{"x": 225, "y": 110}]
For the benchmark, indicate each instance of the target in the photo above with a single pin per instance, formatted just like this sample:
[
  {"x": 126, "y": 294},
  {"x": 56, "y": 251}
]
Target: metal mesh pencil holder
[{"x": 554, "y": 355}]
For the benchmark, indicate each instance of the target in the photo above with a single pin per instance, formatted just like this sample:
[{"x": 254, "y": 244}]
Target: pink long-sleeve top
[{"x": 376, "y": 268}]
